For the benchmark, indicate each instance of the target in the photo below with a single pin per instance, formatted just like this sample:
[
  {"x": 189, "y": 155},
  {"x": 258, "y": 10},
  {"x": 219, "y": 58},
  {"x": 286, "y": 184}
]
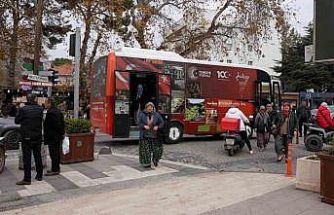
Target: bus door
[{"x": 121, "y": 119}]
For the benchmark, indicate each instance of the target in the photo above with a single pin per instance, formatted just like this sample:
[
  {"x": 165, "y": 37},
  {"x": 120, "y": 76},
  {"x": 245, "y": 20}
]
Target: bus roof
[{"x": 171, "y": 56}]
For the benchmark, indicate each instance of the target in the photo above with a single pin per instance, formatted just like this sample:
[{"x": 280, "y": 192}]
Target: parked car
[{"x": 11, "y": 132}]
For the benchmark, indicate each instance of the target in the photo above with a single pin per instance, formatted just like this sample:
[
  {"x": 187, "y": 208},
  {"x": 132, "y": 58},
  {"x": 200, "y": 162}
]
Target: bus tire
[{"x": 174, "y": 133}]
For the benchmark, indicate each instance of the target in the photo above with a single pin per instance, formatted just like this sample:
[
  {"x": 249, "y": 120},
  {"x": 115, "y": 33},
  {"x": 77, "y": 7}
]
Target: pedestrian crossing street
[{"x": 118, "y": 174}]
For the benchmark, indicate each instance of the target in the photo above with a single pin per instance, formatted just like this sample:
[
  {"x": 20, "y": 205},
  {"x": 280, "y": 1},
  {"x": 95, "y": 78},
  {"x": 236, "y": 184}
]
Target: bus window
[
  {"x": 178, "y": 87},
  {"x": 263, "y": 93}
]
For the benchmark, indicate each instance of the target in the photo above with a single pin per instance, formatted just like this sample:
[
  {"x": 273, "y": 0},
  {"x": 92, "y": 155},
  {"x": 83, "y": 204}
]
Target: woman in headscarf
[{"x": 150, "y": 148}]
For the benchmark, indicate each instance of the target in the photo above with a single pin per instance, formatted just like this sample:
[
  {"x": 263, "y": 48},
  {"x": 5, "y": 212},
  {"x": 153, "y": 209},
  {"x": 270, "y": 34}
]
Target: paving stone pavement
[
  {"x": 206, "y": 193},
  {"x": 208, "y": 151},
  {"x": 75, "y": 178}
]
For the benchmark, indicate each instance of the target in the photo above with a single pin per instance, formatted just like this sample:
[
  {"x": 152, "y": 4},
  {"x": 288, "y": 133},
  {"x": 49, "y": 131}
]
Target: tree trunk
[
  {"x": 91, "y": 60},
  {"x": 84, "y": 52},
  {"x": 38, "y": 35},
  {"x": 13, "y": 48}
]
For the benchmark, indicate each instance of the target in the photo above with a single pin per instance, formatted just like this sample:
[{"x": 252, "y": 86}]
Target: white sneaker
[{"x": 251, "y": 152}]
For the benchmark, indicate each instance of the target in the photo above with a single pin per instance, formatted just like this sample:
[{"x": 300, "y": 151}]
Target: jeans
[
  {"x": 301, "y": 125},
  {"x": 281, "y": 144},
  {"x": 244, "y": 137}
]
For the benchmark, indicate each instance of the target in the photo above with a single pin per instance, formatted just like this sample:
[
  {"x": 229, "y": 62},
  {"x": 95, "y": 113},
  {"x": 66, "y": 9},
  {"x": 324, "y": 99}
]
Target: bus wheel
[{"x": 174, "y": 133}]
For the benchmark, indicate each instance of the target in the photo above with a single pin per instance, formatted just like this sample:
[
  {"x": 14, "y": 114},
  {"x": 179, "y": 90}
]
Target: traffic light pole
[{"x": 76, "y": 76}]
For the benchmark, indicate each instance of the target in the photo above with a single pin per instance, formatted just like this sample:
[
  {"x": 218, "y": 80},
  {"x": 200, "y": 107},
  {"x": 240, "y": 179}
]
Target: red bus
[{"x": 193, "y": 95}]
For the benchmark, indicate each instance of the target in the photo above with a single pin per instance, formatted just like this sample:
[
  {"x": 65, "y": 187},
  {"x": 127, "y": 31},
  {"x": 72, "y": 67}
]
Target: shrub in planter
[
  {"x": 77, "y": 126},
  {"x": 81, "y": 141},
  {"x": 327, "y": 176}
]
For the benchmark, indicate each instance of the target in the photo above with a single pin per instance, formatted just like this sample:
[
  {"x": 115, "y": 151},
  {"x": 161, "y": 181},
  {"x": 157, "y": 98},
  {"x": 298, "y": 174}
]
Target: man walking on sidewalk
[
  {"x": 30, "y": 118},
  {"x": 54, "y": 130},
  {"x": 285, "y": 126}
]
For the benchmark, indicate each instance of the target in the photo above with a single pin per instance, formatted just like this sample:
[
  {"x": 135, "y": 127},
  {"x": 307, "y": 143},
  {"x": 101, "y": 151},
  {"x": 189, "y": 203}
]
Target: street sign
[
  {"x": 31, "y": 83},
  {"x": 37, "y": 78},
  {"x": 309, "y": 54}
]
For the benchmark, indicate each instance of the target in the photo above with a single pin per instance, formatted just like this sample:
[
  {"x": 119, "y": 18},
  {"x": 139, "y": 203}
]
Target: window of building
[
  {"x": 250, "y": 62},
  {"x": 229, "y": 61},
  {"x": 250, "y": 48}
]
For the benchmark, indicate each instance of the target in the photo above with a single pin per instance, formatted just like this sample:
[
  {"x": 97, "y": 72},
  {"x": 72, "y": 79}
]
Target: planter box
[
  {"x": 308, "y": 174},
  {"x": 81, "y": 148},
  {"x": 327, "y": 178}
]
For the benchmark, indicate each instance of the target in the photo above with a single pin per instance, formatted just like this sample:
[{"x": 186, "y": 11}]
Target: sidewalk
[
  {"x": 207, "y": 193},
  {"x": 107, "y": 172}
]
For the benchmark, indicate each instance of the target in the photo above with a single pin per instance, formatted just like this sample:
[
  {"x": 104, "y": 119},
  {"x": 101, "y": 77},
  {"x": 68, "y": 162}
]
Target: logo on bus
[
  {"x": 194, "y": 73},
  {"x": 223, "y": 75}
]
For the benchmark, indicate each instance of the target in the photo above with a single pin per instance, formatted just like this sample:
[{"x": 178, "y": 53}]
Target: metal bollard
[{"x": 289, "y": 162}]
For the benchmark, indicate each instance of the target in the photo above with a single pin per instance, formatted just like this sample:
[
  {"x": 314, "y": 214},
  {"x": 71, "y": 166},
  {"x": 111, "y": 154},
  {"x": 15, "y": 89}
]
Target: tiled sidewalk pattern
[{"x": 106, "y": 169}]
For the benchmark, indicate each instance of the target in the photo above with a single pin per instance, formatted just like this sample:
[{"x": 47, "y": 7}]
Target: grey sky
[{"x": 304, "y": 15}]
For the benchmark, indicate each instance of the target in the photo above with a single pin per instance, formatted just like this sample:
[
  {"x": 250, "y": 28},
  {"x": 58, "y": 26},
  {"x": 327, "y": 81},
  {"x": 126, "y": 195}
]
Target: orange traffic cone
[{"x": 289, "y": 161}]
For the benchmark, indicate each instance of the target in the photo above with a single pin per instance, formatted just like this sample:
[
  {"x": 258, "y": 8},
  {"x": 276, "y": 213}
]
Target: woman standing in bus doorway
[{"x": 150, "y": 148}]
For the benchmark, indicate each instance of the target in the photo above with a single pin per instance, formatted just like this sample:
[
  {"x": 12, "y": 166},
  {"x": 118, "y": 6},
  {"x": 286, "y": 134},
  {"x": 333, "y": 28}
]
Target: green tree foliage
[{"x": 297, "y": 75}]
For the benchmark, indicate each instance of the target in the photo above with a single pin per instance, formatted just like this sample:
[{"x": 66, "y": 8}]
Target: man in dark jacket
[
  {"x": 54, "y": 130},
  {"x": 30, "y": 118},
  {"x": 303, "y": 115},
  {"x": 285, "y": 125}
]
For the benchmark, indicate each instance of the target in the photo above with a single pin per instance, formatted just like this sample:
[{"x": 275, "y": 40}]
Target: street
[
  {"x": 186, "y": 166},
  {"x": 208, "y": 151}
]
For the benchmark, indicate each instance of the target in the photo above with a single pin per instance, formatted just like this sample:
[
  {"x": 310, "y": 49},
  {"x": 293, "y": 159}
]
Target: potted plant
[
  {"x": 81, "y": 141},
  {"x": 308, "y": 173},
  {"x": 327, "y": 173}
]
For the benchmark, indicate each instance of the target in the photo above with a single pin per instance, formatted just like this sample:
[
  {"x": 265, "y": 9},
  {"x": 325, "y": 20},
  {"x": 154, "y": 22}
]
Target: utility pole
[
  {"x": 38, "y": 35},
  {"x": 76, "y": 76}
]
